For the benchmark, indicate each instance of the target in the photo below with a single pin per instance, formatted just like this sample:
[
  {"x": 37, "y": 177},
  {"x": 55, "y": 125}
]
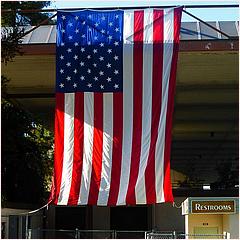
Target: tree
[
  {"x": 13, "y": 23},
  {"x": 27, "y": 146},
  {"x": 27, "y": 152},
  {"x": 22, "y": 18}
]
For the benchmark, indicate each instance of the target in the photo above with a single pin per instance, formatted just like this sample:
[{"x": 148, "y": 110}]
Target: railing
[
  {"x": 84, "y": 234},
  {"x": 179, "y": 235},
  {"x": 70, "y": 234},
  {"x": 112, "y": 234},
  {"x": 51, "y": 233},
  {"x": 95, "y": 234},
  {"x": 130, "y": 234}
]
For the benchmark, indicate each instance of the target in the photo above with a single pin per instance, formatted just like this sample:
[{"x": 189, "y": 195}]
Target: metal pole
[
  {"x": 207, "y": 24},
  {"x": 123, "y": 8},
  {"x": 76, "y": 234},
  {"x": 174, "y": 235},
  {"x": 191, "y": 15},
  {"x": 26, "y": 227}
]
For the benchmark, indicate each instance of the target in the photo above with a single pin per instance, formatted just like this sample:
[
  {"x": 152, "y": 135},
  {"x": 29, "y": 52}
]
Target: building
[{"x": 205, "y": 126}]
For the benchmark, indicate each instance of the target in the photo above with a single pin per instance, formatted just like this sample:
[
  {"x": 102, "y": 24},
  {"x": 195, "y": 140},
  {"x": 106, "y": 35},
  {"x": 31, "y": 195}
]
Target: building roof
[{"x": 189, "y": 31}]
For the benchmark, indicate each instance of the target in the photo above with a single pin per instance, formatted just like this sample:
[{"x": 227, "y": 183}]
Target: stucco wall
[
  {"x": 231, "y": 225},
  {"x": 205, "y": 220},
  {"x": 101, "y": 218},
  {"x": 169, "y": 218}
]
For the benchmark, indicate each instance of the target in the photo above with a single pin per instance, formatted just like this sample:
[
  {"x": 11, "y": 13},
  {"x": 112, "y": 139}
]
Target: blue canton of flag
[{"x": 89, "y": 51}]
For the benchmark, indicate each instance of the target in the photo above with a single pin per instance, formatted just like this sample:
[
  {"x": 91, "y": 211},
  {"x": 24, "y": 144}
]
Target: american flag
[{"x": 115, "y": 83}]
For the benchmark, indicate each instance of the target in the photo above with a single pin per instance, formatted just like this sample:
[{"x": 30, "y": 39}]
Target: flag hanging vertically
[{"x": 115, "y": 83}]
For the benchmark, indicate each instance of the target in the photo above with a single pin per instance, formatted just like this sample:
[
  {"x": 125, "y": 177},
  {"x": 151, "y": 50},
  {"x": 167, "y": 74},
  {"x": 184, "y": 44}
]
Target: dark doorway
[
  {"x": 72, "y": 217},
  {"x": 129, "y": 218}
]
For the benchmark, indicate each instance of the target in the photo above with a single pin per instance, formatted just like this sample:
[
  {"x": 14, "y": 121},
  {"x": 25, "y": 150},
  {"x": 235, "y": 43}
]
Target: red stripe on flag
[
  {"x": 156, "y": 102},
  {"x": 78, "y": 149},
  {"x": 59, "y": 143},
  {"x": 97, "y": 149},
  {"x": 117, "y": 148},
  {"x": 137, "y": 104},
  {"x": 172, "y": 82}
]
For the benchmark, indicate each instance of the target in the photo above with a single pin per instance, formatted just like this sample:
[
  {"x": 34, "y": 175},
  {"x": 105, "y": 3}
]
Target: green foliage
[
  {"x": 27, "y": 147},
  {"x": 4, "y": 82},
  {"x": 10, "y": 43},
  {"x": 21, "y": 19},
  {"x": 11, "y": 22},
  {"x": 27, "y": 156}
]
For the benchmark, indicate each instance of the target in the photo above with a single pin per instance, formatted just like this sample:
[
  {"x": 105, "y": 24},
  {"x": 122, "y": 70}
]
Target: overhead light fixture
[{"x": 206, "y": 187}]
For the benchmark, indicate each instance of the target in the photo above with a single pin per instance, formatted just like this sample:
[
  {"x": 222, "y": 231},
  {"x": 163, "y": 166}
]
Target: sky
[{"x": 215, "y": 14}]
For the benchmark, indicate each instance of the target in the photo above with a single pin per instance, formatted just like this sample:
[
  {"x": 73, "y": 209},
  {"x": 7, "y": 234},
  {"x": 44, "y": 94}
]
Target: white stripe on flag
[
  {"x": 127, "y": 104},
  {"x": 107, "y": 149},
  {"x": 87, "y": 147},
  {"x": 167, "y": 60},
  {"x": 68, "y": 148},
  {"x": 147, "y": 104}
]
